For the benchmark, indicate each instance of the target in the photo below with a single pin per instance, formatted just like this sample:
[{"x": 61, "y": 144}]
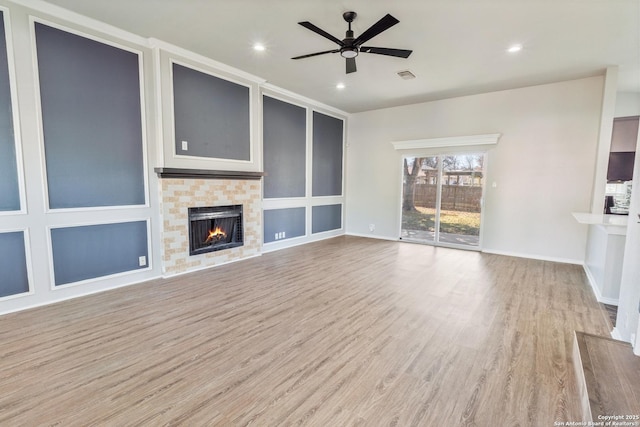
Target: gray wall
[
  {"x": 327, "y": 155},
  {"x": 287, "y": 129},
  {"x": 290, "y": 220},
  {"x": 284, "y": 148},
  {"x": 211, "y": 114},
  {"x": 9, "y": 191},
  {"x": 88, "y": 252},
  {"x": 326, "y": 218},
  {"x": 13, "y": 264},
  {"x": 90, "y": 96}
]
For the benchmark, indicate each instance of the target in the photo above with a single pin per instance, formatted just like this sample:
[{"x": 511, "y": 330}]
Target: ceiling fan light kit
[
  {"x": 351, "y": 46},
  {"x": 349, "y": 52}
]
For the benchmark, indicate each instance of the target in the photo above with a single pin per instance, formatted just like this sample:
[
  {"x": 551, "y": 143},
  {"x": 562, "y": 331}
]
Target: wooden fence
[{"x": 454, "y": 197}]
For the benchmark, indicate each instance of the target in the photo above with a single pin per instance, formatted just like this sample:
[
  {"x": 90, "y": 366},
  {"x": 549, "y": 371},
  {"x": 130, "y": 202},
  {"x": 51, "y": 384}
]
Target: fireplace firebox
[{"x": 215, "y": 228}]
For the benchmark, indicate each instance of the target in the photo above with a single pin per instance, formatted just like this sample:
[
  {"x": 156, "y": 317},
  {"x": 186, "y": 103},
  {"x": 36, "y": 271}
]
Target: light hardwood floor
[
  {"x": 347, "y": 331},
  {"x": 611, "y": 377}
]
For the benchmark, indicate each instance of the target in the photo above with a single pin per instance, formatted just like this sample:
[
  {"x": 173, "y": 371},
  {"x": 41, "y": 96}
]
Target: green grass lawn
[{"x": 452, "y": 222}]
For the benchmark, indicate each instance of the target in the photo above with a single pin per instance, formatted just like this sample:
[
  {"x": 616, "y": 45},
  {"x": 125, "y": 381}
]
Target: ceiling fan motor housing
[
  {"x": 349, "y": 16},
  {"x": 349, "y": 50},
  {"x": 350, "y": 46}
]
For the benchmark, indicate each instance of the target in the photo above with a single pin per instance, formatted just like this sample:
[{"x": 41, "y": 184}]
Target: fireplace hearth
[{"x": 215, "y": 228}]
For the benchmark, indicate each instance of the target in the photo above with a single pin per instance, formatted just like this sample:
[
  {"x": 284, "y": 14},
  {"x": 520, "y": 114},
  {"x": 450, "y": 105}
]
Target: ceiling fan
[{"x": 350, "y": 46}]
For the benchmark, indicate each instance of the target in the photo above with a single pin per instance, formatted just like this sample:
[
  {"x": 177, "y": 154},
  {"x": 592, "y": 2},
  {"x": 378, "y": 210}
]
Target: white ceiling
[{"x": 459, "y": 46}]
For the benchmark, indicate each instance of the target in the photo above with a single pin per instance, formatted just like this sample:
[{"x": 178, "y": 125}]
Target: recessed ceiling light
[
  {"x": 259, "y": 47},
  {"x": 515, "y": 48},
  {"x": 340, "y": 86}
]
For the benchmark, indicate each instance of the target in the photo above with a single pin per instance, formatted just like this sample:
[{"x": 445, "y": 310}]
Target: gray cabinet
[{"x": 623, "y": 145}]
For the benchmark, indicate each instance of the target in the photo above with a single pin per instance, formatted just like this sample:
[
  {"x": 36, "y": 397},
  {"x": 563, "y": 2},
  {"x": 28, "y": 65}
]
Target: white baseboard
[
  {"x": 615, "y": 334},
  {"x": 488, "y": 251},
  {"x": 538, "y": 257},
  {"x": 596, "y": 291},
  {"x": 79, "y": 295},
  {"x": 373, "y": 236},
  {"x": 298, "y": 241}
]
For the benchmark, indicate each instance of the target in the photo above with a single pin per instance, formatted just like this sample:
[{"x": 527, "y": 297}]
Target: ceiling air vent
[{"x": 406, "y": 75}]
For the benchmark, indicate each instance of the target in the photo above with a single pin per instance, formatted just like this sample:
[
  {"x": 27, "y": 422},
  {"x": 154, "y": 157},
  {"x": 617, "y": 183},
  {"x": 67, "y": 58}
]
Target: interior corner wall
[
  {"x": 543, "y": 165},
  {"x": 627, "y": 104}
]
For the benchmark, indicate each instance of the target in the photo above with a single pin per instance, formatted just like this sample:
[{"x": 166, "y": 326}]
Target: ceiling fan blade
[
  {"x": 309, "y": 26},
  {"x": 351, "y": 65},
  {"x": 316, "y": 54},
  {"x": 400, "y": 53},
  {"x": 383, "y": 24}
]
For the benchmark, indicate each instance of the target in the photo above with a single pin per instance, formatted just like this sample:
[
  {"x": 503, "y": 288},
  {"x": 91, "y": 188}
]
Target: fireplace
[{"x": 215, "y": 228}]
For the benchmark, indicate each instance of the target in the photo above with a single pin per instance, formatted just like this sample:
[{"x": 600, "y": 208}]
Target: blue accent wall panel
[
  {"x": 284, "y": 148},
  {"x": 327, "y": 155},
  {"x": 92, "y": 251},
  {"x": 9, "y": 188},
  {"x": 211, "y": 114},
  {"x": 291, "y": 221},
  {"x": 326, "y": 218},
  {"x": 13, "y": 264},
  {"x": 91, "y": 113}
]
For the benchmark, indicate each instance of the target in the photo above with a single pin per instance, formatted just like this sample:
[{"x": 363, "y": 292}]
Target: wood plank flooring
[
  {"x": 611, "y": 374},
  {"x": 347, "y": 331}
]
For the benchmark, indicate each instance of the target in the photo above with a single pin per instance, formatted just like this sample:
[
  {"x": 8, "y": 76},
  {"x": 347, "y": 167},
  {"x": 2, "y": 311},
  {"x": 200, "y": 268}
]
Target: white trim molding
[
  {"x": 28, "y": 263},
  {"x": 636, "y": 343},
  {"x": 285, "y": 95},
  {"x": 212, "y": 73},
  {"x": 52, "y": 279},
  {"x": 43, "y": 7},
  {"x": 596, "y": 290},
  {"x": 534, "y": 256},
  {"x": 15, "y": 114},
  {"x": 200, "y": 59},
  {"x": 33, "y": 20},
  {"x": 454, "y": 141},
  {"x": 615, "y": 334}
]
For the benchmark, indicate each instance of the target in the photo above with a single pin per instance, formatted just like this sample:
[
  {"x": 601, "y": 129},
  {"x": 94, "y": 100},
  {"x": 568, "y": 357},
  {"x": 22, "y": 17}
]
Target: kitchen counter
[{"x": 612, "y": 224}]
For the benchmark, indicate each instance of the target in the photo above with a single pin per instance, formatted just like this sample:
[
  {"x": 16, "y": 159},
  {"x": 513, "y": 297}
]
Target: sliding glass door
[
  {"x": 420, "y": 187},
  {"x": 442, "y": 199}
]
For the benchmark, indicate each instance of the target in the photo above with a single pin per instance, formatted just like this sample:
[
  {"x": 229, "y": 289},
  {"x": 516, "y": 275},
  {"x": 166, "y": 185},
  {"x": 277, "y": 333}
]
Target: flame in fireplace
[{"x": 216, "y": 235}]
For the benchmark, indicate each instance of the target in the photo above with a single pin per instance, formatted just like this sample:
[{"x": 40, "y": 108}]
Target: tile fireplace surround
[{"x": 177, "y": 194}]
